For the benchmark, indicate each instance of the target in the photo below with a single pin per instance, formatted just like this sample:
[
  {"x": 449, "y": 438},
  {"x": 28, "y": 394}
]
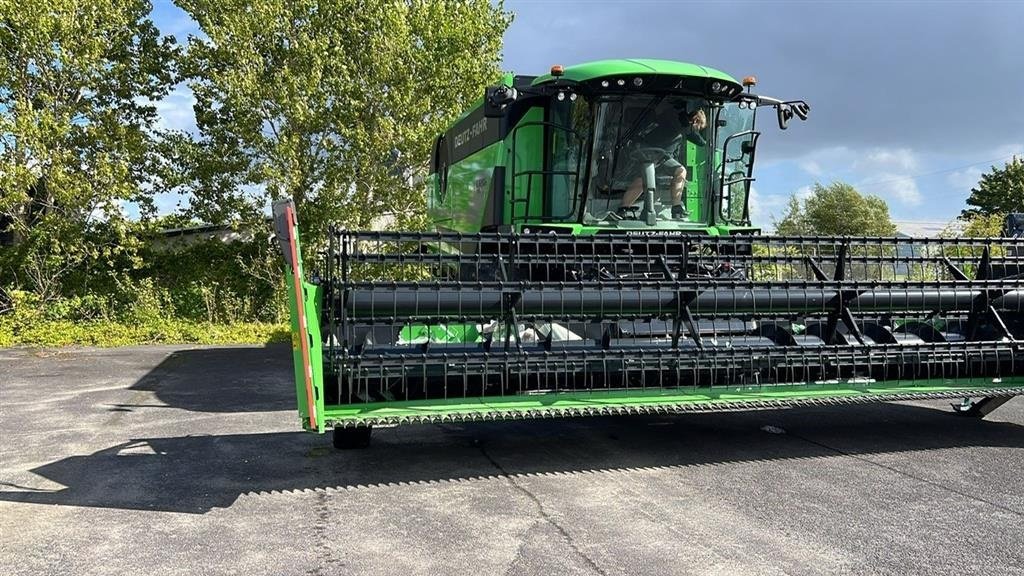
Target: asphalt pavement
[{"x": 178, "y": 460}]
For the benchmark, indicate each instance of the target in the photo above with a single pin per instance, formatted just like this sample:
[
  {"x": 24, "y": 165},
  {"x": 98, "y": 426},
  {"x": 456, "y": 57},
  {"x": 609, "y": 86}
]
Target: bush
[
  {"x": 109, "y": 333},
  {"x": 213, "y": 281},
  {"x": 209, "y": 292}
]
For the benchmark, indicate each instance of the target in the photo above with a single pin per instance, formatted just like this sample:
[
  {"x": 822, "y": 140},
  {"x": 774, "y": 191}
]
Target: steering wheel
[{"x": 650, "y": 154}]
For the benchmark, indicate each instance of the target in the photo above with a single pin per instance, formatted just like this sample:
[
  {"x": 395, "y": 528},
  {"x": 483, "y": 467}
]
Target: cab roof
[{"x": 602, "y": 68}]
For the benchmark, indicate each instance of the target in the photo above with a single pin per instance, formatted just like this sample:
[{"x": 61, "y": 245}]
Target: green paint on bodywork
[
  {"x": 312, "y": 298},
  {"x": 626, "y": 227},
  {"x": 439, "y": 334},
  {"x": 463, "y": 206},
  {"x": 722, "y": 398},
  {"x": 601, "y": 68}
]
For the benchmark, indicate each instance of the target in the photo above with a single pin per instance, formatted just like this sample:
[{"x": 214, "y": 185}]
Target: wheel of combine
[{"x": 352, "y": 438}]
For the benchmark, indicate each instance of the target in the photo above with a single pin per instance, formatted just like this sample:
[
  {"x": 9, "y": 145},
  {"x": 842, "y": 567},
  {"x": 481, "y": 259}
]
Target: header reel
[{"x": 536, "y": 324}]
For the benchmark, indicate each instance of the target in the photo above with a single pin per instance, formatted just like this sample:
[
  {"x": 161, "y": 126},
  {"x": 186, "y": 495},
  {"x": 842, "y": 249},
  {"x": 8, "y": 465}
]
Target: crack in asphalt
[
  {"x": 521, "y": 548},
  {"x": 542, "y": 511},
  {"x": 322, "y": 548}
]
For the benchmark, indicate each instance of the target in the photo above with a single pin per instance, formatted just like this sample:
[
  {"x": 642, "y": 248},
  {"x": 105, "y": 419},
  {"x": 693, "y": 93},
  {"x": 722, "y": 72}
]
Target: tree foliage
[
  {"x": 977, "y": 226},
  {"x": 333, "y": 103},
  {"x": 999, "y": 191},
  {"x": 836, "y": 209},
  {"x": 77, "y": 86}
]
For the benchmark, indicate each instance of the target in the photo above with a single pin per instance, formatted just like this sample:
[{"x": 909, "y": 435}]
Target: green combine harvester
[{"x": 593, "y": 254}]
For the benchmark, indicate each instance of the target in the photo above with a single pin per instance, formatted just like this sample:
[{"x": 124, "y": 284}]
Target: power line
[
  {"x": 932, "y": 173},
  {"x": 936, "y": 222}
]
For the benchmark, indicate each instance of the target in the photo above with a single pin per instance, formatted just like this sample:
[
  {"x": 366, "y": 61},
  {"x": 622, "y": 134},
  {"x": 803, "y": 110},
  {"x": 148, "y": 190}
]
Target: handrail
[{"x": 531, "y": 173}]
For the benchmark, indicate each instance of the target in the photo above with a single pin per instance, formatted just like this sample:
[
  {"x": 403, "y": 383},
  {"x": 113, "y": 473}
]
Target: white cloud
[
  {"x": 965, "y": 179},
  {"x": 900, "y": 188},
  {"x": 886, "y": 172},
  {"x": 754, "y": 204},
  {"x": 898, "y": 160},
  {"x": 175, "y": 111},
  {"x": 811, "y": 167},
  {"x": 822, "y": 164},
  {"x": 179, "y": 26},
  {"x": 924, "y": 228},
  {"x": 765, "y": 209},
  {"x": 914, "y": 183},
  {"x": 169, "y": 203},
  {"x": 1007, "y": 150}
]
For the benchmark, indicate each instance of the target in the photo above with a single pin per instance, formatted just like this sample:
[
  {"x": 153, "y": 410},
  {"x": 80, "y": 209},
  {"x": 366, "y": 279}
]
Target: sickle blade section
[{"x": 441, "y": 327}]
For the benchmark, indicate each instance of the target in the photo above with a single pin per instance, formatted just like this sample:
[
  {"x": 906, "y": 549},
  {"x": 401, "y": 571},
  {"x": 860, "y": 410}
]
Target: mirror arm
[
  {"x": 767, "y": 100},
  {"x": 499, "y": 97},
  {"x": 786, "y": 109}
]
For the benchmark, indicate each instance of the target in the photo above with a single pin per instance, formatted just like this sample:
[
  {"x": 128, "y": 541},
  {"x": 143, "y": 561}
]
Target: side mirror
[
  {"x": 801, "y": 108},
  {"x": 785, "y": 115},
  {"x": 787, "y": 110},
  {"x": 497, "y": 99}
]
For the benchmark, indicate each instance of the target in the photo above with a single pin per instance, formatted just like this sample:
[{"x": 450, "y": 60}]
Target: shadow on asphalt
[
  {"x": 249, "y": 379},
  {"x": 195, "y": 474}
]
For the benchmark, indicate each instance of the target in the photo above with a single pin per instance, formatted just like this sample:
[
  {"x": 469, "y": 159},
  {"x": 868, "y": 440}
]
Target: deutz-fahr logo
[
  {"x": 654, "y": 232},
  {"x": 472, "y": 132}
]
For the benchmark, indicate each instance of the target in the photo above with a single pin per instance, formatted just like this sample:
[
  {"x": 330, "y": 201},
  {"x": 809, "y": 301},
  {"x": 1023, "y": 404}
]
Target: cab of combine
[{"x": 617, "y": 146}]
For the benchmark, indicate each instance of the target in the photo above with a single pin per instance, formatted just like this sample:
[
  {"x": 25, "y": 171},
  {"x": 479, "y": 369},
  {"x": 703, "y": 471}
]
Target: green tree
[
  {"x": 836, "y": 209},
  {"x": 333, "y": 103},
  {"x": 977, "y": 226},
  {"x": 793, "y": 221},
  {"x": 999, "y": 191},
  {"x": 77, "y": 86}
]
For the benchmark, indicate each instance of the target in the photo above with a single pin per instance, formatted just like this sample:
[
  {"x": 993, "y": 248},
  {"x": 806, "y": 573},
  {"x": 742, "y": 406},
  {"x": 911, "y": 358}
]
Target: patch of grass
[{"x": 157, "y": 331}]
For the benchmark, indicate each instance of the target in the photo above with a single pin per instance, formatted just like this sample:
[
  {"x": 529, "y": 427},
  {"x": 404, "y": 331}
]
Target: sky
[{"x": 910, "y": 101}]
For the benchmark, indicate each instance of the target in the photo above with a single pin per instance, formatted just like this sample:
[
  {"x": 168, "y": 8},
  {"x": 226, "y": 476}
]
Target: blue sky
[{"x": 911, "y": 101}]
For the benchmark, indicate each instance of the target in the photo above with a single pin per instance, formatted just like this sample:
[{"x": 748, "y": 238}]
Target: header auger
[{"x": 593, "y": 254}]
